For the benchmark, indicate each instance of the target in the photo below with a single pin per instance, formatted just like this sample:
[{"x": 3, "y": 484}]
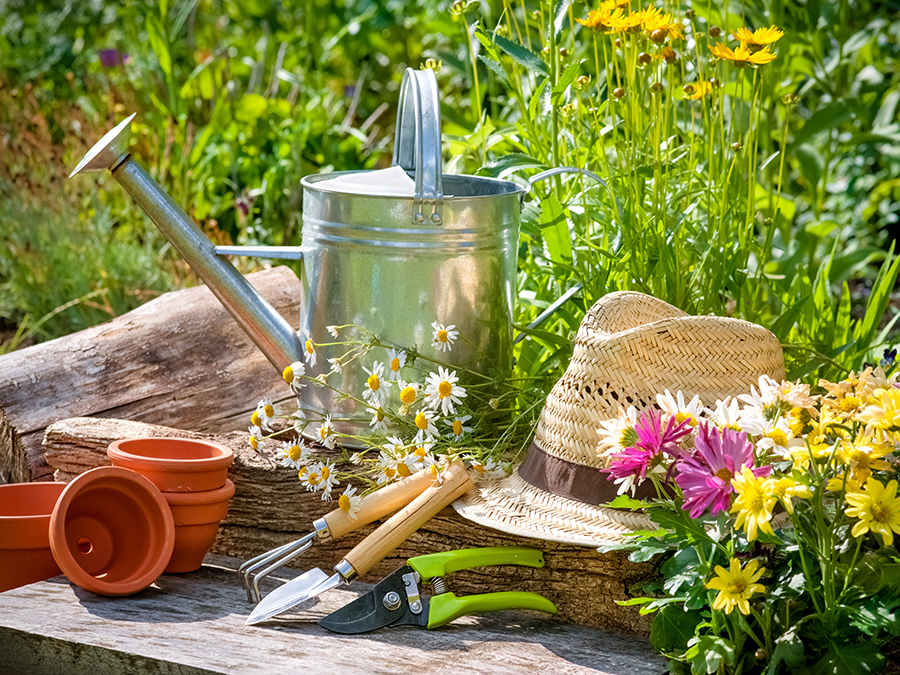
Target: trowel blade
[{"x": 289, "y": 595}]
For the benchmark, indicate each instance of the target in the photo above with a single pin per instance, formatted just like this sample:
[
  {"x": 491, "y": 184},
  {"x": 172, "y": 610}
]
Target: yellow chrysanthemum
[
  {"x": 786, "y": 489},
  {"x": 759, "y": 38},
  {"x": 863, "y": 457},
  {"x": 654, "y": 21},
  {"x": 697, "y": 90},
  {"x": 601, "y": 20},
  {"x": 754, "y": 503},
  {"x": 878, "y": 510},
  {"x": 627, "y": 23},
  {"x": 736, "y": 585},
  {"x": 742, "y": 56},
  {"x": 837, "y": 484}
]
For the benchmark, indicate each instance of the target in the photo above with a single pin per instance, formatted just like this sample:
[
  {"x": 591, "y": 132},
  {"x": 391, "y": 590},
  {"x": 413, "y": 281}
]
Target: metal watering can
[{"x": 390, "y": 263}]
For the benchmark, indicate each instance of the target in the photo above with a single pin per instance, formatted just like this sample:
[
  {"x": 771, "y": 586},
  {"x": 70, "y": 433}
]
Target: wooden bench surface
[{"x": 193, "y": 624}]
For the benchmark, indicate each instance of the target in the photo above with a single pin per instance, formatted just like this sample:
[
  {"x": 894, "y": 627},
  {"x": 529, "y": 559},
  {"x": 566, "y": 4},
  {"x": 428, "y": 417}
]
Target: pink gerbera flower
[
  {"x": 705, "y": 477},
  {"x": 653, "y": 443}
]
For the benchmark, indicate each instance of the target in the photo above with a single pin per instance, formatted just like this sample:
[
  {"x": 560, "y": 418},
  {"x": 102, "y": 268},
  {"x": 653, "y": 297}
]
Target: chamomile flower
[
  {"x": 392, "y": 466},
  {"x": 349, "y": 502},
  {"x": 263, "y": 414},
  {"x": 293, "y": 455},
  {"x": 773, "y": 436},
  {"x": 442, "y": 391},
  {"x": 677, "y": 408},
  {"x": 490, "y": 468},
  {"x": 376, "y": 386},
  {"x": 379, "y": 418},
  {"x": 336, "y": 366},
  {"x": 425, "y": 424},
  {"x": 443, "y": 336},
  {"x": 409, "y": 391},
  {"x": 310, "y": 478},
  {"x": 396, "y": 360},
  {"x": 292, "y": 375},
  {"x": 438, "y": 472},
  {"x": 458, "y": 426},
  {"x": 326, "y": 432},
  {"x": 309, "y": 352},
  {"x": 256, "y": 436},
  {"x": 334, "y": 331},
  {"x": 327, "y": 478},
  {"x": 419, "y": 456}
]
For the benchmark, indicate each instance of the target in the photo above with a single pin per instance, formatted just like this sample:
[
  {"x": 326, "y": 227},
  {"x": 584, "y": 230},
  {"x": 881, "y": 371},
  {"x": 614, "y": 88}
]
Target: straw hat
[{"x": 629, "y": 348}]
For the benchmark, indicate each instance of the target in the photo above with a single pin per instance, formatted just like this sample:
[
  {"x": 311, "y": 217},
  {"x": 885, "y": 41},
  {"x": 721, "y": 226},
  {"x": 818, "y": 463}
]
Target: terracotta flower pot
[
  {"x": 25, "y": 555},
  {"x": 111, "y": 531},
  {"x": 197, "y": 516},
  {"x": 174, "y": 464}
]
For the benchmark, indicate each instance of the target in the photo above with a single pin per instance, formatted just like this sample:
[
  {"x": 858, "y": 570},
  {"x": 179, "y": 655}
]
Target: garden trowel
[{"x": 455, "y": 482}]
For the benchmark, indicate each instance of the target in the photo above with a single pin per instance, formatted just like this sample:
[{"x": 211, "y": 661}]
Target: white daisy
[
  {"x": 618, "y": 434},
  {"x": 458, "y": 426},
  {"x": 326, "y": 432},
  {"x": 727, "y": 414},
  {"x": 378, "y": 418},
  {"x": 443, "y": 337},
  {"x": 336, "y": 366},
  {"x": 309, "y": 352},
  {"x": 442, "y": 392},
  {"x": 438, "y": 472},
  {"x": 376, "y": 386},
  {"x": 419, "y": 456},
  {"x": 310, "y": 478},
  {"x": 292, "y": 375},
  {"x": 256, "y": 436},
  {"x": 677, "y": 408},
  {"x": 349, "y": 503},
  {"x": 425, "y": 423},
  {"x": 396, "y": 360},
  {"x": 293, "y": 455},
  {"x": 409, "y": 391},
  {"x": 392, "y": 466},
  {"x": 334, "y": 330},
  {"x": 490, "y": 468},
  {"x": 772, "y": 436},
  {"x": 327, "y": 477},
  {"x": 263, "y": 414}
]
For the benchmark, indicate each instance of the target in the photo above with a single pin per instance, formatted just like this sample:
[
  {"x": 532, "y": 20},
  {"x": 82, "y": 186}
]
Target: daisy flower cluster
[{"x": 784, "y": 495}]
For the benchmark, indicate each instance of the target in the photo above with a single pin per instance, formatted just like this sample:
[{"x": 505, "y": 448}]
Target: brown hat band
[{"x": 578, "y": 482}]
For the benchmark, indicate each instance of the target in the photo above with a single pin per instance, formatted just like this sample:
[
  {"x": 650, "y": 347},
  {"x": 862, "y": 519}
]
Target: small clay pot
[
  {"x": 174, "y": 464},
  {"x": 111, "y": 531},
  {"x": 197, "y": 516},
  {"x": 25, "y": 555}
]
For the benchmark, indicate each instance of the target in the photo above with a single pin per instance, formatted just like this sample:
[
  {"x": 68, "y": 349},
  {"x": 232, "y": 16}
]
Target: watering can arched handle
[{"x": 418, "y": 143}]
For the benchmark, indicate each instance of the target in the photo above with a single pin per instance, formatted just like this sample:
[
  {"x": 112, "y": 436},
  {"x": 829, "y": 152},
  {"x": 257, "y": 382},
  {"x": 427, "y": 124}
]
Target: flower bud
[
  {"x": 502, "y": 30},
  {"x": 690, "y": 14},
  {"x": 761, "y": 654},
  {"x": 563, "y": 52},
  {"x": 568, "y": 109},
  {"x": 434, "y": 64},
  {"x": 618, "y": 93},
  {"x": 656, "y": 87},
  {"x": 737, "y": 146},
  {"x": 582, "y": 81},
  {"x": 790, "y": 99},
  {"x": 644, "y": 58},
  {"x": 715, "y": 31},
  {"x": 458, "y": 8},
  {"x": 658, "y": 36},
  {"x": 618, "y": 43},
  {"x": 688, "y": 90}
]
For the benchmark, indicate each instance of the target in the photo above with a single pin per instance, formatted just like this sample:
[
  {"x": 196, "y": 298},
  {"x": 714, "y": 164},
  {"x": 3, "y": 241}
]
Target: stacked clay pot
[{"x": 192, "y": 476}]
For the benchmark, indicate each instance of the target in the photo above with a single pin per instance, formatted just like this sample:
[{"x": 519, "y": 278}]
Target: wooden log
[
  {"x": 270, "y": 508},
  {"x": 179, "y": 360}
]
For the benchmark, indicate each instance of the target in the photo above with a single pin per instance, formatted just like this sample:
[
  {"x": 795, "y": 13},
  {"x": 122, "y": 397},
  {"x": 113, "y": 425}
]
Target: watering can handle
[{"x": 418, "y": 143}]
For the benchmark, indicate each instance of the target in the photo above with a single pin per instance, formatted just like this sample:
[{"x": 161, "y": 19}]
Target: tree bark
[
  {"x": 179, "y": 360},
  {"x": 270, "y": 508}
]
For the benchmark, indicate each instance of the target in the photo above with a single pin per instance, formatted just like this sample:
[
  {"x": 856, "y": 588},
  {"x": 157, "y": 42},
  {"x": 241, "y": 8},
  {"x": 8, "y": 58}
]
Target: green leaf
[
  {"x": 647, "y": 549},
  {"x": 878, "y": 300},
  {"x": 849, "y": 660},
  {"x": 522, "y": 55},
  {"x": 559, "y": 20},
  {"x": 496, "y": 67},
  {"x": 708, "y": 652},
  {"x": 812, "y": 164},
  {"x": 250, "y": 108},
  {"x": 789, "y": 651},
  {"x": 536, "y": 97},
  {"x": 831, "y": 116},
  {"x": 158, "y": 44},
  {"x": 626, "y": 502},
  {"x": 183, "y": 13},
  {"x": 783, "y": 324},
  {"x": 888, "y": 107},
  {"x": 555, "y": 229},
  {"x": 507, "y": 164},
  {"x": 565, "y": 81},
  {"x": 206, "y": 134},
  {"x": 672, "y": 627}
]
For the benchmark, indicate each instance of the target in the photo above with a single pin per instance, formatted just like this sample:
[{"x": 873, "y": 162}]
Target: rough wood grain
[
  {"x": 271, "y": 508},
  {"x": 179, "y": 360},
  {"x": 193, "y": 624}
]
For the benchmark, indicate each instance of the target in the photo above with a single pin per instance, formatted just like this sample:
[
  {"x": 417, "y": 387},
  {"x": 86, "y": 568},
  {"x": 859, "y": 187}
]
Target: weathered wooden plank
[
  {"x": 179, "y": 359},
  {"x": 270, "y": 507},
  {"x": 193, "y": 624}
]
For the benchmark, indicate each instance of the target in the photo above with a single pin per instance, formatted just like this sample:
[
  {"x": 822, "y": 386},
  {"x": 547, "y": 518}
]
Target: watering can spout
[{"x": 275, "y": 337}]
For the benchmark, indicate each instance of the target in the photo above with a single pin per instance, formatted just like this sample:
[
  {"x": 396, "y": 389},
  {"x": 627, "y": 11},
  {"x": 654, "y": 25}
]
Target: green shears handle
[
  {"x": 440, "y": 564},
  {"x": 446, "y": 607}
]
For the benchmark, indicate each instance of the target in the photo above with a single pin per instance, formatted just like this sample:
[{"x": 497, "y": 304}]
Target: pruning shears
[{"x": 397, "y": 600}]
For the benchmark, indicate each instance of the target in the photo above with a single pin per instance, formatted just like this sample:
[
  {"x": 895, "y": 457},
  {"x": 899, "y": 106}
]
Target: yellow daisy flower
[
  {"x": 759, "y": 38},
  {"x": 627, "y": 23},
  {"x": 736, "y": 585},
  {"x": 654, "y": 21},
  {"x": 785, "y": 489},
  {"x": 878, "y": 510},
  {"x": 742, "y": 56},
  {"x": 601, "y": 20},
  {"x": 754, "y": 503},
  {"x": 863, "y": 457},
  {"x": 697, "y": 90}
]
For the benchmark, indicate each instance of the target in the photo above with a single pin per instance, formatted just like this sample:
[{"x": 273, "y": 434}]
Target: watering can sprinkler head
[
  {"x": 109, "y": 151},
  {"x": 266, "y": 327}
]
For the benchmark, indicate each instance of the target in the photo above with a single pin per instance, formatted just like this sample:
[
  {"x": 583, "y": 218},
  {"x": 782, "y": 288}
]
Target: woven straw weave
[{"x": 629, "y": 348}]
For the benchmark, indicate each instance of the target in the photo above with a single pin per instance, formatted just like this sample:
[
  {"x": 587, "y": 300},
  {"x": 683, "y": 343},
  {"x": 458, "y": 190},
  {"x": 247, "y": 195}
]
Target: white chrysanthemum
[
  {"x": 376, "y": 385},
  {"x": 425, "y": 423},
  {"x": 677, "y": 408},
  {"x": 395, "y": 361},
  {"x": 727, "y": 414},
  {"x": 325, "y": 433},
  {"x": 617, "y": 434},
  {"x": 293, "y": 455},
  {"x": 771, "y": 436},
  {"x": 379, "y": 418},
  {"x": 293, "y": 375},
  {"x": 309, "y": 352},
  {"x": 458, "y": 426},
  {"x": 349, "y": 502},
  {"x": 443, "y": 336},
  {"x": 441, "y": 391}
]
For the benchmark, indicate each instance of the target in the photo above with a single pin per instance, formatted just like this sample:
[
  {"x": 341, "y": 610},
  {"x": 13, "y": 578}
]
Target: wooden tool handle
[
  {"x": 379, "y": 504},
  {"x": 383, "y": 541}
]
